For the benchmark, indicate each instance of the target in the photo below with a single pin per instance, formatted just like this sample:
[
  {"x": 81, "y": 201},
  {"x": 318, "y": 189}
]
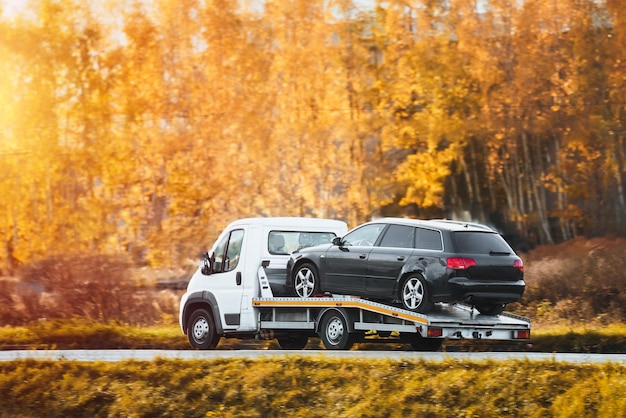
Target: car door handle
[
  {"x": 400, "y": 258},
  {"x": 363, "y": 256}
]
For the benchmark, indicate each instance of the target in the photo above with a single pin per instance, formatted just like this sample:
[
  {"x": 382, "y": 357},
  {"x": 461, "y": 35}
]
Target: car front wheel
[
  {"x": 414, "y": 294},
  {"x": 491, "y": 310},
  {"x": 306, "y": 281}
]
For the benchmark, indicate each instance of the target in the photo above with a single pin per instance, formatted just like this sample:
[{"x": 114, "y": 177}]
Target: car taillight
[
  {"x": 458, "y": 263},
  {"x": 519, "y": 264}
]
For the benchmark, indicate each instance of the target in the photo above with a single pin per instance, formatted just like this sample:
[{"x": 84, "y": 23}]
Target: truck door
[{"x": 226, "y": 280}]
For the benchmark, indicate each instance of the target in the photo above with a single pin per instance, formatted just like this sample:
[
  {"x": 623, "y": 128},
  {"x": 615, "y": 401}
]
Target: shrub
[
  {"x": 94, "y": 287},
  {"x": 579, "y": 280}
]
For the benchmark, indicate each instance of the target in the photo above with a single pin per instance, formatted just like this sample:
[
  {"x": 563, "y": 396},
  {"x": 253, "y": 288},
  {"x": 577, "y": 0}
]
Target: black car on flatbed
[{"x": 415, "y": 263}]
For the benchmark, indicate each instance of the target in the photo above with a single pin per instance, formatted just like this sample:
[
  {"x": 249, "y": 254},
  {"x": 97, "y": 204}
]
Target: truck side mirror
[{"x": 205, "y": 264}]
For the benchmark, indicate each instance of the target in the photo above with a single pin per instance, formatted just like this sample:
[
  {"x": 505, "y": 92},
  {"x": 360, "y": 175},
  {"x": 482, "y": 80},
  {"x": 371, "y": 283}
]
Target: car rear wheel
[
  {"x": 491, "y": 310},
  {"x": 201, "y": 330},
  {"x": 306, "y": 280},
  {"x": 414, "y": 294}
]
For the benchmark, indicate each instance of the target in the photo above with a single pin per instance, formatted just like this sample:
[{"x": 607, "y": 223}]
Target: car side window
[
  {"x": 429, "y": 239},
  {"x": 400, "y": 236},
  {"x": 364, "y": 236}
]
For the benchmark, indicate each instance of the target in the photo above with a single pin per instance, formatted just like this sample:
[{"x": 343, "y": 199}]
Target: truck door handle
[
  {"x": 400, "y": 258},
  {"x": 363, "y": 256},
  {"x": 238, "y": 278}
]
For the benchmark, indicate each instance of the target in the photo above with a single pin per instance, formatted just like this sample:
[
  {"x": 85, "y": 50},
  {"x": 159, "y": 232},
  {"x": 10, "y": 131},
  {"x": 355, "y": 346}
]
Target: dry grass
[
  {"x": 576, "y": 283},
  {"x": 311, "y": 387}
]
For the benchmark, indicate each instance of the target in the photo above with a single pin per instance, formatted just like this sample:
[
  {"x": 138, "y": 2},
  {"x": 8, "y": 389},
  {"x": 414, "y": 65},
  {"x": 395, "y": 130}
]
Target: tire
[
  {"x": 201, "y": 330},
  {"x": 491, "y": 310},
  {"x": 414, "y": 295},
  {"x": 293, "y": 343},
  {"x": 306, "y": 281},
  {"x": 334, "y": 332},
  {"x": 426, "y": 344}
]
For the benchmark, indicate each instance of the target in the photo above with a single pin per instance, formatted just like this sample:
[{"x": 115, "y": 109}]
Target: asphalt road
[{"x": 148, "y": 355}]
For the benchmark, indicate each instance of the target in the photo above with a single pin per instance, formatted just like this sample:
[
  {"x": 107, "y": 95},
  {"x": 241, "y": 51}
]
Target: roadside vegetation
[
  {"x": 306, "y": 387},
  {"x": 573, "y": 300},
  {"x": 101, "y": 303}
]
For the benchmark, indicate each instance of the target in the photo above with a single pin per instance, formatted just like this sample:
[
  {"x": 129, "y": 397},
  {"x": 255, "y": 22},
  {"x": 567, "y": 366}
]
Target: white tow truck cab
[{"x": 239, "y": 291}]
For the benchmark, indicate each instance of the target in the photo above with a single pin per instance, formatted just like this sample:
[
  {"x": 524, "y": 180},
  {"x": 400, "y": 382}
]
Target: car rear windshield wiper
[{"x": 499, "y": 253}]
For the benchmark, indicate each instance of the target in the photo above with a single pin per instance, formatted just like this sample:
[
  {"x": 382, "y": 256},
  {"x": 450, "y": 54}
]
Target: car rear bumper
[{"x": 467, "y": 290}]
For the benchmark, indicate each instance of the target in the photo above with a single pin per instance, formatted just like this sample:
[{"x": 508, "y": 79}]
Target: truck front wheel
[
  {"x": 201, "y": 330},
  {"x": 293, "y": 343},
  {"x": 334, "y": 332}
]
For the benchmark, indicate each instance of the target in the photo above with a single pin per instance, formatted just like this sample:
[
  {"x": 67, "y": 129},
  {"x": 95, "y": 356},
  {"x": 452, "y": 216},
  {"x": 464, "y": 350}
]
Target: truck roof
[{"x": 291, "y": 221}]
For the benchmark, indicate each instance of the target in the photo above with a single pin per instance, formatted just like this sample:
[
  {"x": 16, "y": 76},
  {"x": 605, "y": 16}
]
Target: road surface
[{"x": 148, "y": 355}]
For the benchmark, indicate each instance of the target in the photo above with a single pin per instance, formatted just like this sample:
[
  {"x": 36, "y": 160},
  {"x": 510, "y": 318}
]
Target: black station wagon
[{"x": 415, "y": 263}]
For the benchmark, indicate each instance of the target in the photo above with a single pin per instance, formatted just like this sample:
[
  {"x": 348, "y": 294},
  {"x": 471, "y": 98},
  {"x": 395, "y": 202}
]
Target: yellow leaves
[{"x": 424, "y": 173}]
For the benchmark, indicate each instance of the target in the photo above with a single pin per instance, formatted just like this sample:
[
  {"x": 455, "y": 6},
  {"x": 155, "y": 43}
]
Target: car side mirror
[
  {"x": 337, "y": 241},
  {"x": 205, "y": 264}
]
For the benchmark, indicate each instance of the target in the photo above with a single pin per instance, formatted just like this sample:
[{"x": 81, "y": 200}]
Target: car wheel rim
[
  {"x": 200, "y": 330},
  {"x": 305, "y": 282},
  {"x": 413, "y": 293},
  {"x": 334, "y": 331}
]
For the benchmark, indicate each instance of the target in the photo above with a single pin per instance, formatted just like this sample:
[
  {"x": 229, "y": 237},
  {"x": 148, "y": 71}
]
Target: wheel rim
[
  {"x": 200, "y": 330},
  {"x": 305, "y": 282},
  {"x": 413, "y": 293},
  {"x": 334, "y": 331}
]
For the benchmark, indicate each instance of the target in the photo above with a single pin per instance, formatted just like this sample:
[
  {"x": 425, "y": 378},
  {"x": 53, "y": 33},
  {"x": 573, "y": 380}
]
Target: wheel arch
[
  {"x": 348, "y": 315},
  {"x": 407, "y": 271},
  {"x": 303, "y": 260},
  {"x": 203, "y": 300}
]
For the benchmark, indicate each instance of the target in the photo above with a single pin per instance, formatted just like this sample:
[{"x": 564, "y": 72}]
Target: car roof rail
[{"x": 466, "y": 224}]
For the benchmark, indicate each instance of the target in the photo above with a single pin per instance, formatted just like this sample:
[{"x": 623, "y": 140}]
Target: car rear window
[
  {"x": 480, "y": 243},
  {"x": 286, "y": 242},
  {"x": 429, "y": 239}
]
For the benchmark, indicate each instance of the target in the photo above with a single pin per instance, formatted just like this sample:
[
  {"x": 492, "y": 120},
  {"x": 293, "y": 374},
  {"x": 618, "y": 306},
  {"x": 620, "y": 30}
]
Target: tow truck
[{"x": 233, "y": 295}]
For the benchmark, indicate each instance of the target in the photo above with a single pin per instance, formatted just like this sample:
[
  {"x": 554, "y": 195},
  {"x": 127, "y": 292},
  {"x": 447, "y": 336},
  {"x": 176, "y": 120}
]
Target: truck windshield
[{"x": 286, "y": 242}]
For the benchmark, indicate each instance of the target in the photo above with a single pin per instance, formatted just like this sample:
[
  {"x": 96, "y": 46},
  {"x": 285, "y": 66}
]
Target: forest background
[{"x": 139, "y": 129}]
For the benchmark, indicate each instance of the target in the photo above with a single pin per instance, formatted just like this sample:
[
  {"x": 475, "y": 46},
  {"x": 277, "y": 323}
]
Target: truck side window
[
  {"x": 234, "y": 250},
  {"x": 227, "y": 252}
]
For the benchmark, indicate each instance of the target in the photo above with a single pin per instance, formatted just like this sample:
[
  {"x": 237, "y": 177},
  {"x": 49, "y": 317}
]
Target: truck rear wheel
[
  {"x": 334, "y": 332},
  {"x": 201, "y": 330},
  {"x": 293, "y": 343},
  {"x": 419, "y": 343}
]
